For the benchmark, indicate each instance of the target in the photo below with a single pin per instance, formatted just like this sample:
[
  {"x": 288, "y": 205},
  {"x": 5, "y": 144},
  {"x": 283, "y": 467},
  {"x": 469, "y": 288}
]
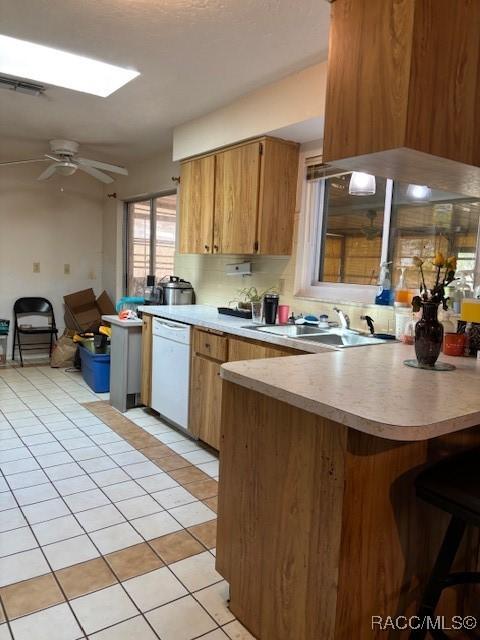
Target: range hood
[{"x": 403, "y": 91}]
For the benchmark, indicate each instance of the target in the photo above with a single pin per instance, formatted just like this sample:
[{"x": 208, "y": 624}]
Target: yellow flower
[
  {"x": 451, "y": 263},
  {"x": 418, "y": 262},
  {"x": 439, "y": 259}
]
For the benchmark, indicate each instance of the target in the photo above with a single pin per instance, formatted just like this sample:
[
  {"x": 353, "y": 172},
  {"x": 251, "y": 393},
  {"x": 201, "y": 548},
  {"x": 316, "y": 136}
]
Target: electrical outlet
[
  {"x": 36, "y": 267},
  {"x": 66, "y": 269}
]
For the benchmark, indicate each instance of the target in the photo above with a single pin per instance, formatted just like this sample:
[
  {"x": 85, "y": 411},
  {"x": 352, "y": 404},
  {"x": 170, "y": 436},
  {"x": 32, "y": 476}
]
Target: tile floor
[{"x": 107, "y": 521}]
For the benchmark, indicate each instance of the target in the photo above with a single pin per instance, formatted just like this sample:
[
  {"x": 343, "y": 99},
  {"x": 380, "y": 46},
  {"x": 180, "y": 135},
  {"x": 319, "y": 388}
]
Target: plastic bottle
[
  {"x": 384, "y": 291},
  {"x": 462, "y": 290},
  {"x": 402, "y": 294}
]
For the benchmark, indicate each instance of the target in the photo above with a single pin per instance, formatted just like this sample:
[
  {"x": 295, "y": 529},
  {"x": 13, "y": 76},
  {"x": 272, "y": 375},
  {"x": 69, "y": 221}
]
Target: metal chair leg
[
  {"x": 13, "y": 349},
  {"x": 51, "y": 345},
  {"x": 437, "y": 581},
  {"x": 20, "y": 350}
]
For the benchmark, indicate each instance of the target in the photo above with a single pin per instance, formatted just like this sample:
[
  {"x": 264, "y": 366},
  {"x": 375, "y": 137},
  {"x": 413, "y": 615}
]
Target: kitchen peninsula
[{"x": 319, "y": 528}]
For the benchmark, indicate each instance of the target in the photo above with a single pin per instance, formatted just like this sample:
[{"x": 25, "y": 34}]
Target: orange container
[{"x": 454, "y": 344}]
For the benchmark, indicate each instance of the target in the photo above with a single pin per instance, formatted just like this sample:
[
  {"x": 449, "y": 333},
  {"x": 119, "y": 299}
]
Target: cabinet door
[
  {"x": 278, "y": 190},
  {"x": 249, "y": 350},
  {"x": 205, "y": 400},
  {"x": 146, "y": 380},
  {"x": 197, "y": 188},
  {"x": 237, "y": 181}
]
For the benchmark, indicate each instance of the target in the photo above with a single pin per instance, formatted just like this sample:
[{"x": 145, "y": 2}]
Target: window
[
  {"x": 150, "y": 241},
  {"x": 344, "y": 238}
]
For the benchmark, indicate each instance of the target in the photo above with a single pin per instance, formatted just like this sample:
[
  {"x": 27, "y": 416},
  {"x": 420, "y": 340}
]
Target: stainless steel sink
[
  {"x": 335, "y": 337},
  {"x": 292, "y": 330},
  {"x": 343, "y": 339}
]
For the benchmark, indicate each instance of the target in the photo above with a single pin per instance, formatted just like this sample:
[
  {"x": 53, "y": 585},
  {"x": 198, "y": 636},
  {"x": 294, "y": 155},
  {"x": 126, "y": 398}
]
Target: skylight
[{"x": 32, "y": 61}]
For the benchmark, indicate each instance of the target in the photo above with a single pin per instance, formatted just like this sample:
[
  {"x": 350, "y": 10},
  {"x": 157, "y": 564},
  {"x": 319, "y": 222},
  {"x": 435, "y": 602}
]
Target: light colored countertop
[
  {"x": 370, "y": 389},
  {"x": 206, "y": 316},
  {"x": 122, "y": 323}
]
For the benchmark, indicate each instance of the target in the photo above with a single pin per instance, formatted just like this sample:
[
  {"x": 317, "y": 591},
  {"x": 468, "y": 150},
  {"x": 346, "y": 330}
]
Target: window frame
[
  {"x": 310, "y": 239},
  {"x": 150, "y": 197}
]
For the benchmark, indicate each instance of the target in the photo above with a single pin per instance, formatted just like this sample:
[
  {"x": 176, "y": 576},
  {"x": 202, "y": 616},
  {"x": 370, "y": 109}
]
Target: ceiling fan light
[
  {"x": 419, "y": 192},
  {"x": 362, "y": 184},
  {"x": 66, "y": 168}
]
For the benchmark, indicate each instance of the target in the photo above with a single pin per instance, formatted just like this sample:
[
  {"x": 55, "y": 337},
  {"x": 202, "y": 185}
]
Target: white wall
[
  {"x": 298, "y": 98},
  {"x": 41, "y": 223}
]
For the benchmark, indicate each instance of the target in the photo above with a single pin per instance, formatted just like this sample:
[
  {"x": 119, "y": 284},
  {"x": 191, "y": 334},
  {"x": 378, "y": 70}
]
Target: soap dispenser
[{"x": 384, "y": 291}]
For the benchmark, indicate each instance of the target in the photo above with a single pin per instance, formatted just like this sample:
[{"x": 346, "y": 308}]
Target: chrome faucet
[{"x": 344, "y": 319}]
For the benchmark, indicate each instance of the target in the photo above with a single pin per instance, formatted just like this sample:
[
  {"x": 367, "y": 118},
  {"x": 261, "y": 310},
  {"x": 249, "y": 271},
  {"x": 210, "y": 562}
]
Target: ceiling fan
[{"x": 66, "y": 162}]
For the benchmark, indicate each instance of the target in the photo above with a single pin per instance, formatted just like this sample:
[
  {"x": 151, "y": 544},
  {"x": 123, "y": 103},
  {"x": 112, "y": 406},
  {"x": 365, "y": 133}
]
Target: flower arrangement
[{"x": 445, "y": 274}]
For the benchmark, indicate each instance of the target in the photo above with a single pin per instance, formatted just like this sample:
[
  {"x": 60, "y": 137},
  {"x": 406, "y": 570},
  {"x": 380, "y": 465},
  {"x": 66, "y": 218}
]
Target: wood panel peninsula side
[{"x": 319, "y": 528}]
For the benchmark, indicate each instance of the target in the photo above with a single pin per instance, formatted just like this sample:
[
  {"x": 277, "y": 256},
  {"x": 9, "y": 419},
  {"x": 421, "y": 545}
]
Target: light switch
[
  {"x": 36, "y": 267},
  {"x": 66, "y": 269}
]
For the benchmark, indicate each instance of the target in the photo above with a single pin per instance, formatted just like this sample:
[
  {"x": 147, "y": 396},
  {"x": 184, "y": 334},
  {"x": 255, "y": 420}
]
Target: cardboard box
[{"x": 83, "y": 312}]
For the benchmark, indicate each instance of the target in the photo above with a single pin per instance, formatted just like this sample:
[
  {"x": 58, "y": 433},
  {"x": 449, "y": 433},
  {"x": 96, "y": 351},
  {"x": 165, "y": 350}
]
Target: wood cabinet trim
[{"x": 239, "y": 144}]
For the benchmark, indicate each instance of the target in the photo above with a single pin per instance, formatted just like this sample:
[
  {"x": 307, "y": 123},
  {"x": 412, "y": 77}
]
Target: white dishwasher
[{"x": 171, "y": 370}]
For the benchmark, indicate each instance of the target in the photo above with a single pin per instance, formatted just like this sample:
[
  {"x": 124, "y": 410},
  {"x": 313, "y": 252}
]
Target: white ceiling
[{"x": 193, "y": 55}]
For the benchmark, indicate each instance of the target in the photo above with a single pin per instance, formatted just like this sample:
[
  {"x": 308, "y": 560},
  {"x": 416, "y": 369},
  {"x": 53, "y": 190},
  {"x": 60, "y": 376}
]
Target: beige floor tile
[
  {"x": 111, "y": 539},
  {"x": 103, "y": 608},
  {"x": 176, "y": 546},
  {"x": 196, "y": 572},
  {"x": 215, "y": 600},
  {"x": 156, "y": 525},
  {"x": 203, "y": 489},
  {"x": 69, "y": 552},
  {"x": 154, "y": 589},
  {"x": 218, "y": 634},
  {"x": 237, "y": 631},
  {"x": 23, "y": 598},
  {"x": 133, "y": 561},
  {"x": 183, "y": 619},
  {"x": 134, "y": 629},
  {"x": 55, "y": 623},
  {"x": 175, "y": 497},
  {"x": 157, "y": 451},
  {"x": 85, "y": 578},
  {"x": 206, "y": 533},
  {"x": 191, "y": 514}
]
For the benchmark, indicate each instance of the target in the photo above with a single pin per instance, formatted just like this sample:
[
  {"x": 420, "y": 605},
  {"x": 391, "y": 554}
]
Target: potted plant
[{"x": 428, "y": 330}]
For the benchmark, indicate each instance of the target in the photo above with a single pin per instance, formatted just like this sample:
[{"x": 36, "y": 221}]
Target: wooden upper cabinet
[
  {"x": 403, "y": 91},
  {"x": 237, "y": 183},
  {"x": 197, "y": 189},
  {"x": 240, "y": 200},
  {"x": 277, "y": 197}
]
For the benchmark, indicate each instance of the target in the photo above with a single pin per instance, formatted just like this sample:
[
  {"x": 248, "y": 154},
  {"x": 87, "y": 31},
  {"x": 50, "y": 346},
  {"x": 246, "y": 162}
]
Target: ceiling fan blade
[
  {"x": 48, "y": 173},
  {"x": 86, "y": 162},
  {"x": 53, "y": 158},
  {"x": 23, "y": 161},
  {"x": 99, "y": 175}
]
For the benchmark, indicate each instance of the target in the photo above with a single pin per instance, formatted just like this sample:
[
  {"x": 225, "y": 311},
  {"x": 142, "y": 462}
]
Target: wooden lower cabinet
[
  {"x": 205, "y": 400},
  {"x": 209, "y": 352},
  {"x": 146, "y": 379}
]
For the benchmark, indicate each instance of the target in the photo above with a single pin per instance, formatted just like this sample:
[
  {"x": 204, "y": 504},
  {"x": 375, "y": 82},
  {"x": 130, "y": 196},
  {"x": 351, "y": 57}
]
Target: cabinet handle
[
  {"x": 207, "y": 247},
  {"x": 215, "y": 247},
  {"x": 207, "y": 345}
]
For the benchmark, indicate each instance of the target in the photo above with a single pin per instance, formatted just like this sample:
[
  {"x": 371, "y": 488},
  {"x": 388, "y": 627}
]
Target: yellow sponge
[{"x": 470, "y": 310}]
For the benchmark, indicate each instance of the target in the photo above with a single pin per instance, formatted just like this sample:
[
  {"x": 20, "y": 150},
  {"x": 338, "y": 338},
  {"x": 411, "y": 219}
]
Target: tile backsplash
[{"x": 212, "y": 286}]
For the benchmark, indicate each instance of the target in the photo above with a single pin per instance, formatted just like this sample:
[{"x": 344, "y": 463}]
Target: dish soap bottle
[
  {"x": 402, "y": 294},
  {"x": 384, "y": 292}
]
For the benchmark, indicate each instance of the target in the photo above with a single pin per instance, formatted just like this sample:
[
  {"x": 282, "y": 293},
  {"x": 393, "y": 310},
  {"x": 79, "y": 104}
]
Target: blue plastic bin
[{"x": 96, "y": 370}]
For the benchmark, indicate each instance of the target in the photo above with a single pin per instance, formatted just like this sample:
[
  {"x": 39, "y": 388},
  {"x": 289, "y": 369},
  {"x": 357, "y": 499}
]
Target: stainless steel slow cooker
[{"x": 177, "y": 291}]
